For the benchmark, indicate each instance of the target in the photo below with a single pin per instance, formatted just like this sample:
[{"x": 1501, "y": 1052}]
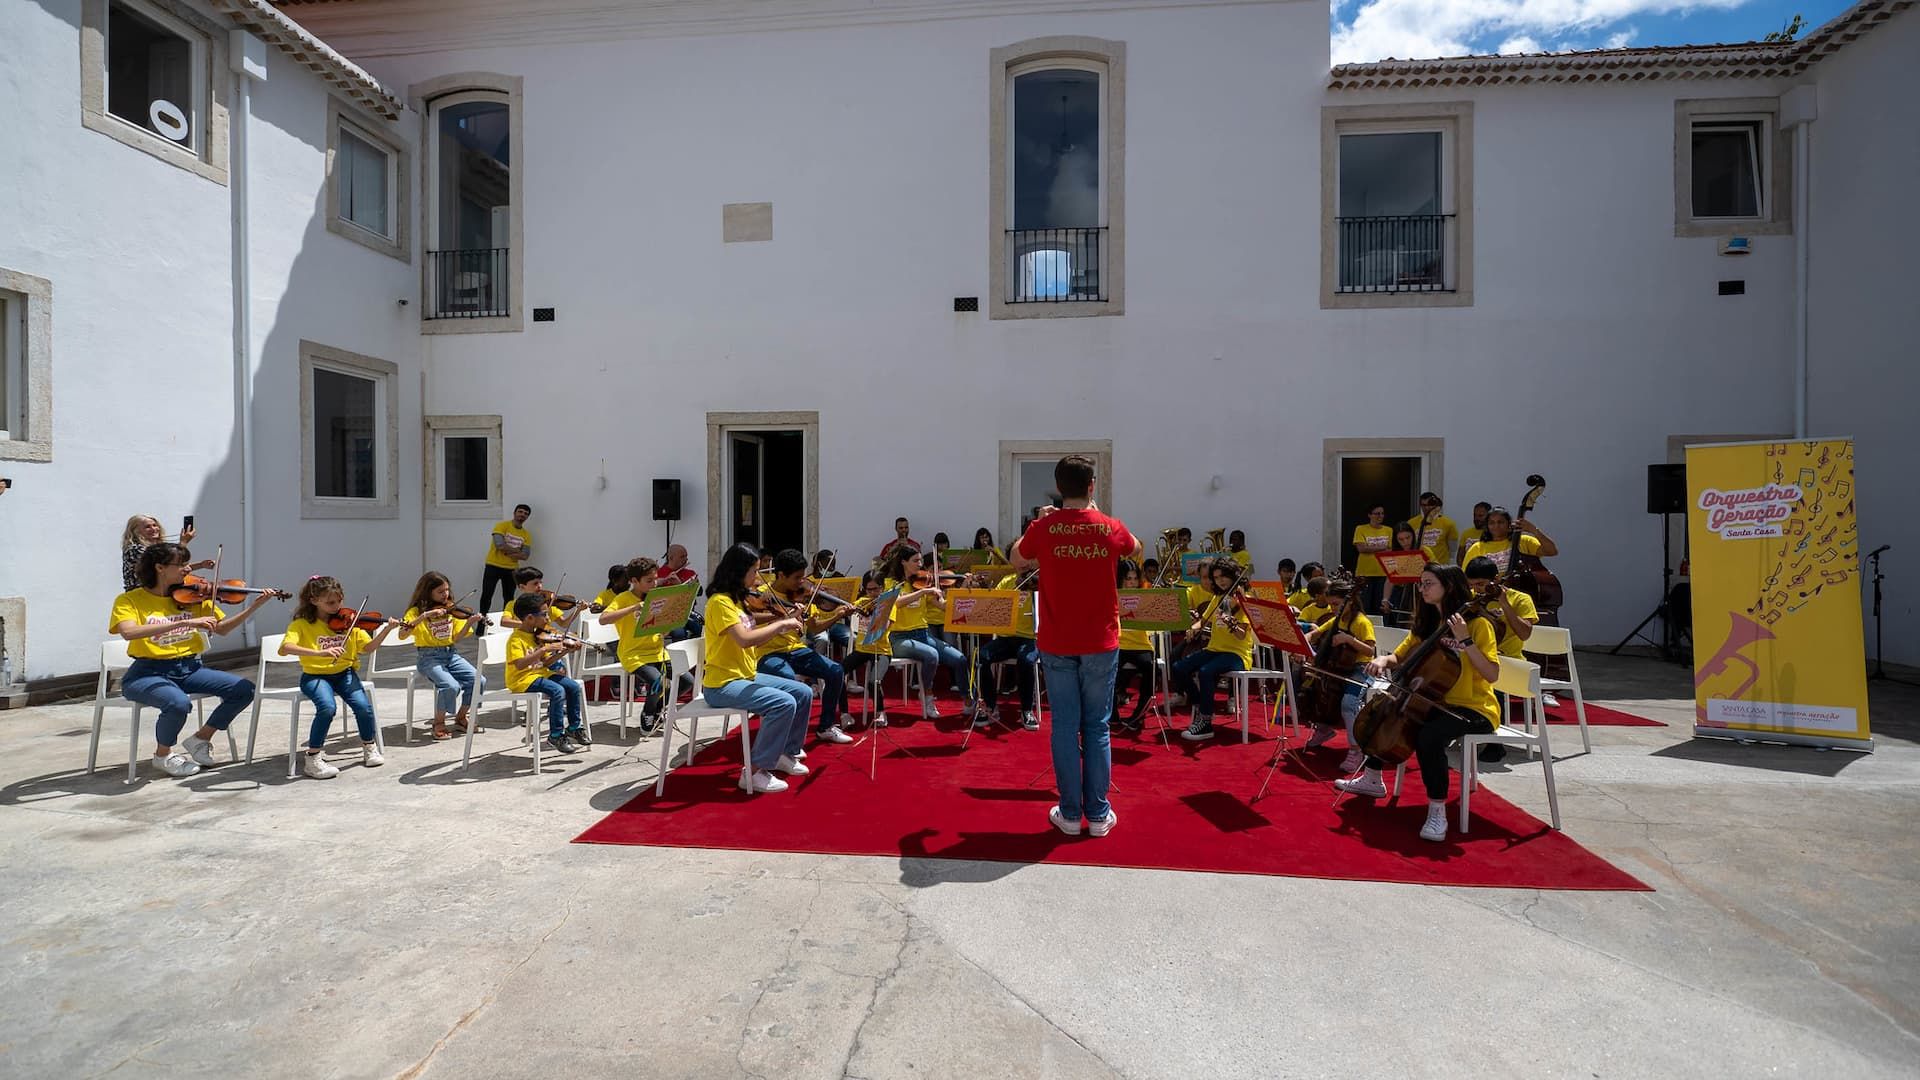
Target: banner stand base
[{"x": 1790, "y": 738}]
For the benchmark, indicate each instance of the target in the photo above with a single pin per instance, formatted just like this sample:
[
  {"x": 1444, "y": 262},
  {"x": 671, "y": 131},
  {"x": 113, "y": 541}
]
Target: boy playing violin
[
  {"x": 535, "y": 663},
  {"x": 329, "y": 644},
  {"x": 787, "y": 654}
]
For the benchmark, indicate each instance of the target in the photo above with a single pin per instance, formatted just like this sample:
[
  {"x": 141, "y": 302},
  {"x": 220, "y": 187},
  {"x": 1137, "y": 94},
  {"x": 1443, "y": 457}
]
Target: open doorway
[
  {"x": 1364, "y": 474},
  {"x": 1026, "y": 479},
  {"x": 763, "y": 481}
]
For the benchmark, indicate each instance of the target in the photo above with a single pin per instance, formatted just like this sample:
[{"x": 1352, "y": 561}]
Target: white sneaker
[
  {"x": 1354, "y": 759},
  {"x": 1320, "y": 737},
  {"x": 928, "y": 712},
  {"x": 199, "y": 749},
  {"x": 1102, "y": 828},
  {"x": 799, "y": 755},
  {"x": 791, "y": 767},
  {"x": 1071, "y": 828},
  {"x": 1547, "y": 699},
  {"x": 880, "y": 720},
  {"x": 835, "y": 735},
  {"x": 175, "y": 764},
  {"x": 1030, "y": 720},
  {"x": 760, "y": 781},
  {"x": 1367, "y": 783},
  {"x": 854, "y": 686},
  {"x": 317, "y": 767},
  {"x": 370, "y": 756},
  {"x": 1436, "y": 827}
]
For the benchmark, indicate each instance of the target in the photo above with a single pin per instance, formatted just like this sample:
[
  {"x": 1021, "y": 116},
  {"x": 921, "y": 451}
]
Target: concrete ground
[{"x": 417, "y": 921}]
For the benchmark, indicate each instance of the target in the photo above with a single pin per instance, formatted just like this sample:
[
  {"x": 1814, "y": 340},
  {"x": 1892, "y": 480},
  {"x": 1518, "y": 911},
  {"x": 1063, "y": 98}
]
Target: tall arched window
[{"x": 472, "y": 144}]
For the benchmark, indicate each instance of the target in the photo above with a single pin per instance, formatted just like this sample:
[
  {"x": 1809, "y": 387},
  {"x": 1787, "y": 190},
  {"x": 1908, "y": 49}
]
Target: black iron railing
[
  {"x": 1055, "y": 266},
  {"x": 467, "y": 284},
  {"x": 1396, "y": 253}
]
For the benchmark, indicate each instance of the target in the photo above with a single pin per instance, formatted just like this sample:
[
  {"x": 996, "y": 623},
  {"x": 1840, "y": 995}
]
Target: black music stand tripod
[
  {"x": 1668, "y": 645},
  {"x": 1879, "y": 671}
]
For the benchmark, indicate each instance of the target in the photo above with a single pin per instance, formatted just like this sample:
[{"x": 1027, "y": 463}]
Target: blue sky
[{"x": 1418, "y": 29}]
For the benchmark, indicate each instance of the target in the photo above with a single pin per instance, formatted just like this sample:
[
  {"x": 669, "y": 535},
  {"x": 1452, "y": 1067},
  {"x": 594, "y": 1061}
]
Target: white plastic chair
[
  {"x": 114, "y": 658},
  {"x": 408, "y": 674},
  {"x": 1518, "y": 679},
  {"x": 1241, "y": 683},
  {"x": 587, "y": 670},
  {"x": 270, "y": 654},
  {"x": 493, "y": 653},
  {"x": 1387, "y": 638},
  {"x": 689, "y": 655},
  {"x": 1558, "y": 641}
]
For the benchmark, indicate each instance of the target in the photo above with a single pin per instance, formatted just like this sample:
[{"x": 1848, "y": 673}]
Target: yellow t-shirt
[
  {"x": 635, "y": 651},
  {"x": 1135, "y": 641},
  {"x": 143, "y": 607},
  {"x": 604, "y": 599},
  {"x": 1298, "y": 600},
  {"x": 309, "y": 634},
  {"x": 786, "y": 641},
  {"x": 1438, "y": 536},
  {"x": 1313, "y": 612},
  {"x": 1223, "y": 640},
  {"x": 496, "y": 557},
  {"x": 909, "y": 616},
  {"x": 1360, "y": 627},
  {"x": 1198, "y": 596},
  {"x": 1522, "y": 604},
  {"x": 1501, "y": 551},
  {"x": 441, "y": 630},
  {"x": 727, "y": 659},
  {"x": 1244, "y": 558},
  {"x": 520, "y": 678},
  {"x": 1470, "y": 691},
  {"x": 1375, "y": 538}
]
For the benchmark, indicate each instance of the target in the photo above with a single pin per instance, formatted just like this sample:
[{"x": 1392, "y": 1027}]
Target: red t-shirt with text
[{"x": 1079, "y": 603}]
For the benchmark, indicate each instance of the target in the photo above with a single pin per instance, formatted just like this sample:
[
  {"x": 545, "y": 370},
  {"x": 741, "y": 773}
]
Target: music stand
[{"x": 1668, "y": 645}]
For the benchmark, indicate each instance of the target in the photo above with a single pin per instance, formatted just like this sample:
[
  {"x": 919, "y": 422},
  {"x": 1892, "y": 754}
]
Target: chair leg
[
  {"x": 93, "y": 744},
  {"x": 533, "y": 721},
  {"x": 293, "y": 741},
  {"x": 466, "y": 755},
  {"x": 1546, "y": 773},
  {"x": 406, "y": 733},
  {"x": 253, "y": 723},
  {"x": 133, "y": 746},
  {"x": 1579, "y": 704},
  {"x": 1469, "y": 775},
  {"x": 666, "y": 745}
]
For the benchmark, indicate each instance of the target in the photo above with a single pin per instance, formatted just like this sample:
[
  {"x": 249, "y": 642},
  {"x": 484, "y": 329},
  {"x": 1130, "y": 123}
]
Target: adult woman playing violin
[
  {"x": 909, "y": 634},
  {"x": 437, "y": 624},
  {"x": 165, "y": 639},
  {"x": 1468, "y": 707},
  {"x": 329, "y": 639}
]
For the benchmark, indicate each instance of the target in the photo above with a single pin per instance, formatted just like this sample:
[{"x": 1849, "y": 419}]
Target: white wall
[{"x": 1862, "y": 362}]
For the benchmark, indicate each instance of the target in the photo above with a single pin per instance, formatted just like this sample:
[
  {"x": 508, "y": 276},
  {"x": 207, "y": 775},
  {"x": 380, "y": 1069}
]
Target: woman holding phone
[{"x": 142, "y": 532}]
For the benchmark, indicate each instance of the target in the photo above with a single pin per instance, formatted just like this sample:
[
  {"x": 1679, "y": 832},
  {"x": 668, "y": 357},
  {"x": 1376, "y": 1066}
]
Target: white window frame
[
  {"x": 438, "y": 430},
  {"x": 1107, "y": 59},
  {"x": 1015, "y": 451},
  {"x": 1454, "y": 121},
  {"x": 1334, "y": 532},
  {"x": 427, "y": 99},
  {"x": 386, "y": 450},
  {"x": 1776, "y": 167},
  {"x": 1760, "y": 150},
  {"x": 26, "y": 363},
  {"x": 205, "y": 154},
  {"x": 398, "y": 241}
]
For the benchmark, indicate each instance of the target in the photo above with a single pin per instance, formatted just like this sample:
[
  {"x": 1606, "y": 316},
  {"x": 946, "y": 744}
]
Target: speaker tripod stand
[
  {"x": 1879, "y": 672},
  {"x": 1669, "y": 644}
]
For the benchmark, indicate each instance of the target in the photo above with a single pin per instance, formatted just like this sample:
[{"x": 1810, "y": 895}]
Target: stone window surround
[
  {"x": 438, "y": 427},
  {"x": 211, "y": 113},
  {"x": 1454, "y": 119},
  {"x": 35, "y": 442},
  {"x": 421, "y": 97},
  {"x": 399, "y": 184},
  {"x": 718, "y": 424},
  {"x": 1013, "y": 450},
  {"x": 1776, "y": 187},
  {"x": 1112, "y": 57},
  {"x": 1334, "y": 532},
  {"x": 387, "y": 503}
]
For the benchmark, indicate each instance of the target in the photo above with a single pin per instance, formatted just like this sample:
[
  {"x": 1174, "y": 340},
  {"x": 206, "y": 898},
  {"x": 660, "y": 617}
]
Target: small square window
[
  {"x": 1728, "y": 178},
  {"x": 463, "y": 468},
  {"x": 150, "y": 75},
  {"x": 148, "y": 80},
  {"x": 365, "y": 173},
  {"x": 1732, "y": 168}
]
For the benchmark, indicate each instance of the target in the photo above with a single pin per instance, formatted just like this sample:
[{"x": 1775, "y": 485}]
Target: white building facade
[{"x": 826, "y": 264}]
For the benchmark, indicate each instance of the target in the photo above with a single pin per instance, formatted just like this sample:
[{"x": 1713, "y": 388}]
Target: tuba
[
  {"x": 1166, "y": 553},
  {"x": 1215, "y": 542}
]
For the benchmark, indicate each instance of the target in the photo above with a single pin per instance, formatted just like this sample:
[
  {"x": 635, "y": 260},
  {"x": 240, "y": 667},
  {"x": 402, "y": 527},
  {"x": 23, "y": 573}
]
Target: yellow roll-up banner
[{"x": 1775, "y": 558}]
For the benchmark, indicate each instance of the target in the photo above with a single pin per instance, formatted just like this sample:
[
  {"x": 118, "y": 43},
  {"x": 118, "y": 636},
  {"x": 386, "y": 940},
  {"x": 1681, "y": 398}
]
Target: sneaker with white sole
[
  {"x": 1199, "y": 730},
  {"x": 760, "y": 782},
  {"x": 1102, "y": 828},
  {"x": 880, "y": 720},
  {"x": 1436, "y": 827},
  {"x": 928, "y": 711},
  {"x": 199, "y": 749},
  {"x": 370, "y": 756},
  {"x": 1355, "y": 758},
  {"x": 1030, "y": 720},
  {"x": 1321, "y": 736},
  {"x": 316, "y": 766},
  {"x": 856, "y": 687},
  {"x": 175, "y": 764},
  {"x": 1367, "y": 783},
  {"x": 1548, "y": 700},
  {"x": 833, "y": 733},
  {"x": 799, "y": 755},
  {"x": 1059, "y": 820},
  {"x": 790, "y": 766}
]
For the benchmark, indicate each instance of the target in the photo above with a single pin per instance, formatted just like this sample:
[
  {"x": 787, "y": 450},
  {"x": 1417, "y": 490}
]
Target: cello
[
  {"x": 1322, "y": 686},
  {"x": 1390, "y": 720}
]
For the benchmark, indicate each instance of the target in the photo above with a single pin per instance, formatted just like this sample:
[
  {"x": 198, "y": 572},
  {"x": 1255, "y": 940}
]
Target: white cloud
[
  {"x": 1517, "y": 44},
  {"x": 1423, "y": 29},
  {"x": 1622, "y": 39}
]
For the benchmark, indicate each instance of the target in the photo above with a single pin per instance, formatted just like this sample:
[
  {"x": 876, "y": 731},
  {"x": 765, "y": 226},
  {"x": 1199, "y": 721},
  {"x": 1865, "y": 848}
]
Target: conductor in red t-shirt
[{"x": 1076, "y": 548}]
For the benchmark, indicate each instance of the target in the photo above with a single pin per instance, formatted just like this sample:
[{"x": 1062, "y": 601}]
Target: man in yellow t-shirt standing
[
  {"x": 509, "y": 546},
  {"x": 1439, "y": 536},
  {"x": 1368, "y": 541}
]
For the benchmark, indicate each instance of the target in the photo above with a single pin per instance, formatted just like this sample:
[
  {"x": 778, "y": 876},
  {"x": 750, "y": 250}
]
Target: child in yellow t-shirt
[
  {"x": 534, "y": 666},
  {"x": 644, "y": 656},
  {"x": 327, "y": 675},
  {"x": 1136, "y": 656},
  {"x": 435, "y": 631},
  {"x": 1352, "y": 634}
]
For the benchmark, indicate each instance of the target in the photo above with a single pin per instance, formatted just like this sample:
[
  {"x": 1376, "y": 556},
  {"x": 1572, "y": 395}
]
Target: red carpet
[
  {"x": 1182, "y": 807},
  {"x": 1597, "y": 716}
]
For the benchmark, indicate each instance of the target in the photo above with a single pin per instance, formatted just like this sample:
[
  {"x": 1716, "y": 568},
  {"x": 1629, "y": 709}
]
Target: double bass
[{"x": 1527, "y": 573}]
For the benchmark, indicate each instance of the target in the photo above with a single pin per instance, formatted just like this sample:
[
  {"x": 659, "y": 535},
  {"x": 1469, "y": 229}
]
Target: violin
[
  {"x": 1390, "y": 721},
  {"x": 347, "y": 619},
  {"x": 765, "y": 602},
  {"x": 562, "y": 602},
  {"x": 573, "y": 642},
  {"x": 198, "y": 590}
]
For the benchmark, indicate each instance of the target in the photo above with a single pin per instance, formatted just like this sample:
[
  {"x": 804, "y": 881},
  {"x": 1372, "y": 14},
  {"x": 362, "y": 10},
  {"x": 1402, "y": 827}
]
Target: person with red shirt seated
[
  {"x": 1078, "y": 550},
  {"x": 901, "y": 527}
]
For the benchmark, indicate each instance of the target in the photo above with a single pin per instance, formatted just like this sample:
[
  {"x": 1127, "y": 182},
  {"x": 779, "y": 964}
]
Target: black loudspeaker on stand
[
  {"x": 666, "y": 500},
  {"x": 1879, "y": 671},
  {"x": 1666, "y": 496}
]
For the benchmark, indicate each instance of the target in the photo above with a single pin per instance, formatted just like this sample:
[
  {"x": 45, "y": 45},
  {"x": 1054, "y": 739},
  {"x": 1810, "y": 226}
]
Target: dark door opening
[
  {"x": 1366, "y": 482},
  {"x": 766, "y": 494}
]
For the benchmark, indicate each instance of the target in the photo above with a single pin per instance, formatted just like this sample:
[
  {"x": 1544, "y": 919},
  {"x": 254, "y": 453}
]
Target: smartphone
[{"x": 185, "y": 524}]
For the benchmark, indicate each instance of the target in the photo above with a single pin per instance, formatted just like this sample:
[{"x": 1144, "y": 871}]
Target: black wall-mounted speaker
[
  {"x": 666, "y": 500},
  {"x": 1666, "y": 489}
]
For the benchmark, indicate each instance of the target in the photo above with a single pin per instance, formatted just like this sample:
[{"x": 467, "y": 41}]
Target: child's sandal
[{"x": 440, "y": 732}]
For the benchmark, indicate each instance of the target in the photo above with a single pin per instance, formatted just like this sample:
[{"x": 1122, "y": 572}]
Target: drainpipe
[
  {"x": 247, "y": 57},
  {"x": 1798, "y": 107}
]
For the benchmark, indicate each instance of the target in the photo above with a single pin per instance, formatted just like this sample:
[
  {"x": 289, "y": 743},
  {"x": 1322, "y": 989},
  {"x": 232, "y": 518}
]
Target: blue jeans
[
  {"x": 165, "y": 684},
  {"x": 454, "y": 680},
  {"x": 931, "y": 652},
  {"x": 840, "y": 636},
  {"x": 563, "y": 693},
  {"x": 322, "y": 690},
  {"x": 805, "y": 663},
  {"x": 696, "y": 625},
  {"x": 1197, "y": 674},
  {"x": 1023, "y": 653},
  {"x": 651, "y": 681},
  {"x": 1081, "y": 688},
  {"x": 782, "y": 705}
]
